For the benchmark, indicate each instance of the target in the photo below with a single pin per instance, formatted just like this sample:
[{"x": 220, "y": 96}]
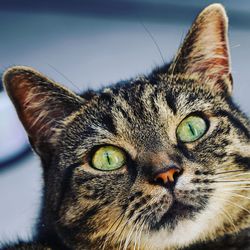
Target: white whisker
[
  {"x": 230, "y": 171},
  {"x": 231, "y": 182},
  {"x": 229, "y": 217},
  {"x": 228, "y": 176},
  {"x": 239, "y": 195},
  {"x": 242, "y": 188},
  {"x": 232, "y": 203}
]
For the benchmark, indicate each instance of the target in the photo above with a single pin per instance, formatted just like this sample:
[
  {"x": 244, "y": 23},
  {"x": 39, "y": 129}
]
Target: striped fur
[{"x": 84, "y": 208}]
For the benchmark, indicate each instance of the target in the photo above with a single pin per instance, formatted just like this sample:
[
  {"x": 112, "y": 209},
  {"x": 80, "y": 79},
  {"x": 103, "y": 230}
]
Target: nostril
[
  {"x": 177, "y": 174},
  {"x": 159, "y": 181},
  {"x": 167, "y": 176}
]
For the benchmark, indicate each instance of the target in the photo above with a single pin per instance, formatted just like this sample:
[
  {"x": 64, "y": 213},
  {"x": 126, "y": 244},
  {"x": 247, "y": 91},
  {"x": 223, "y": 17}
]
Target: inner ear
[
  {"x": 204, "y": 54},
  {"x": 41, "y": 104}
]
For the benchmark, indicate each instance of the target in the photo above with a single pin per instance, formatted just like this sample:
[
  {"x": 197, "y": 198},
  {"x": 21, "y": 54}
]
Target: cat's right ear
[
  {"x": 204, "y": 54},
  {"x": 41, "y": 104}
]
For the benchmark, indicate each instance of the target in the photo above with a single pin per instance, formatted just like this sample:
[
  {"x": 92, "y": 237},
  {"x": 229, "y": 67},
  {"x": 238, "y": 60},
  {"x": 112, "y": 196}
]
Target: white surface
[
  {"x": 10, "y": 144},
  {"x": 20, "y": 198}
]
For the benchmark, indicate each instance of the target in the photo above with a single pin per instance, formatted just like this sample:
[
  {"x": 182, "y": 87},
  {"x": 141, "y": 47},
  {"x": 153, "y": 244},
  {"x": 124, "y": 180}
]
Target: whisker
[
  {"x": 239, "y": 195},
  {"x": 230, "y": 171},
  {"x": 230, "y": 175},
  {"x": 145, "y": 217},
  {"x": 108, "y": 236},
  {"x": 121, "y": 235},
  {"x": 232, "y": 203},
  {"x": 232, "y": 185},
  {"x": 140, "y": 233},
  {"x": 235, "y": 46},
  {"x": 242, "y": 188},
  {"x": 64, "y": 76},
  {"x": 154, "y": 41},
  {"x": 128, "y": 240},
  {"x": 228, "y": 216},
  {"x": 136, "y": 236},
  {"x": 233, "y": 181},
  {"x": 133, "y": 218}
]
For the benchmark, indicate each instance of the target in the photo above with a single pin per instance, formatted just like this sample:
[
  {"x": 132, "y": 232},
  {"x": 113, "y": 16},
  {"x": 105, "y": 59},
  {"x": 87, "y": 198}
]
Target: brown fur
[{"x": 128, "y": 209}]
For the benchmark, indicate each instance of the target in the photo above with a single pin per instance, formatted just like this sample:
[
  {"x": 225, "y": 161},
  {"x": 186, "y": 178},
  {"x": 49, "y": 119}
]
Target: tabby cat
[{"x": 157, "y": 162}]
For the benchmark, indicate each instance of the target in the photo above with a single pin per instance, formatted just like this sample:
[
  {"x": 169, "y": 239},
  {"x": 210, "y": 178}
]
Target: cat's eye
[
  {"x": 108, "y": 158},
  {"x": 191, "y": 128}
]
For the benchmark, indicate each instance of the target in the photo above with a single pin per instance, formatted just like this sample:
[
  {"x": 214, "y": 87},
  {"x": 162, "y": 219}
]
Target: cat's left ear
[
  {"x": 41, "y": 104},
  {"x": 205, "y": 51}
]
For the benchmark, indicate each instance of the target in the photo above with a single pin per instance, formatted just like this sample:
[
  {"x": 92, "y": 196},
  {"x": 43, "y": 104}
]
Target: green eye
[
  {"x": 191, "y": 129},
  {"x": 108, "y": 158}
]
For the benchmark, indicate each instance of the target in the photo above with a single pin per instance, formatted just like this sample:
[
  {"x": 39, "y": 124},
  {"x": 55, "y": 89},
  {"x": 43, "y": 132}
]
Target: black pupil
[
  {"x": 108, "y": 158},
  {"x": 191, "y": 129}
]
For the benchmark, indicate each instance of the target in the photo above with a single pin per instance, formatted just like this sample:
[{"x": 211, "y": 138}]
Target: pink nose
[{"x": 168, "y": 176}]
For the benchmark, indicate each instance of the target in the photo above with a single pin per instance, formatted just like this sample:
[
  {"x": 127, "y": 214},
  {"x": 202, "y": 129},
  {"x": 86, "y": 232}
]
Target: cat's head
[{"x": 160, "y": 161}]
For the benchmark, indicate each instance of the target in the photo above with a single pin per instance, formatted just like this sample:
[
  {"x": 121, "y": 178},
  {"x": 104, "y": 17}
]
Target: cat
[{"x": 157, "y": 162}]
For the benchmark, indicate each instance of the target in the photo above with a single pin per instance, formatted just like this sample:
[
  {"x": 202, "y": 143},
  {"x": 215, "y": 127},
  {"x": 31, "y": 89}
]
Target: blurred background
[{"x": 88, "y": 44}]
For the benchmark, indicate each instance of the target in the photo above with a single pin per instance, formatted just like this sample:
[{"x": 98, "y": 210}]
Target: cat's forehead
[
  {"x": 177, "y": 95},
  {"x": 141, "y": 113}
]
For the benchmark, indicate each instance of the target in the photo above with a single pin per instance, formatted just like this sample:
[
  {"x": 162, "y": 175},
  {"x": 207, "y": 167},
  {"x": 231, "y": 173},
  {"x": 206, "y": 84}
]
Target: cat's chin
[
  {"x": 177, "y": 211},
  {"x": 176, "y": 229}
]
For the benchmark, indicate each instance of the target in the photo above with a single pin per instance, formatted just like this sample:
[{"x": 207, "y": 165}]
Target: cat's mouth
[{"x": 176, "y": 212}]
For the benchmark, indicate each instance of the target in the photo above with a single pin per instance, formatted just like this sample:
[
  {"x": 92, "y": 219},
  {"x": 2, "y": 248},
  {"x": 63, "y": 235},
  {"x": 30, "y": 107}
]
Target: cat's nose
[
  {"x": 160, "y": 168},
  {"x": 168, "y": 177}
]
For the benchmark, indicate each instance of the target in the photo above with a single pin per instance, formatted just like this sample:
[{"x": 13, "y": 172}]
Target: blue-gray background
[{"x": 93, "y": 43}]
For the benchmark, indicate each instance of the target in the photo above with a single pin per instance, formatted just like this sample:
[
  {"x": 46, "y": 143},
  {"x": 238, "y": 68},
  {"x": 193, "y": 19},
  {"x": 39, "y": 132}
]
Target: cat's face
[{"x": 158, "y": 162}]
